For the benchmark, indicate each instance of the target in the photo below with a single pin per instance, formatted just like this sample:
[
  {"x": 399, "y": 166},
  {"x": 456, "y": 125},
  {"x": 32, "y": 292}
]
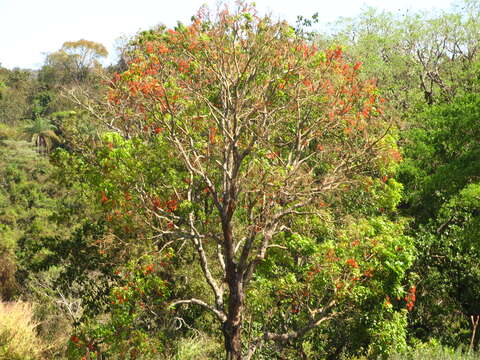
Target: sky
[{"x": 30, "y": 29}]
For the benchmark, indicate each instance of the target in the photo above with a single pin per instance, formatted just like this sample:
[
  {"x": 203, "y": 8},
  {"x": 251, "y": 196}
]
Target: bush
[{"x": 18, "y": 338}]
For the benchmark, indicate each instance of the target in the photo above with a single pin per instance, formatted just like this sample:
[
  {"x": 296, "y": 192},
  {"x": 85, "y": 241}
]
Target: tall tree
[
  {"x": 16, "y": 89},
  {"x": 238, "y": 137},
  {"x": 74, "y": 62},
  {"x": 440, "y": 174},
  {"x": 417, "y": 57}
]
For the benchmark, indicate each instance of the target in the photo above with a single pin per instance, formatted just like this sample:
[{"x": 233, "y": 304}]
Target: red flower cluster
[
  {"x": 148, "y": 269},
  {"x": 411, "y": 297},
  {"x": 352, "y": 262},
  {"x": 172, "y": 205}
]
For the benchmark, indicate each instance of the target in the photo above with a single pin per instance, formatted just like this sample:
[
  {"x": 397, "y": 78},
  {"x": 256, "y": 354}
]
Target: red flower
[
  {"x": 75, "y": 339},
  {"x": 411, "y": 298},
  {"x": 172, "y": 205},
  {"x": 368, "y": 273},
  {"x": 156, "y": 203},
  {"x": 183, "y": 66},
  {"x": 307, "y": 82},
  {"x": 149, "y": 48},
  {"x": 162, "y": 49},
  {"x": 355, "y": 243},
  {"x": 104, "y": 197},
  {"x": 338, "y": 52},
  {"x": 352, "y": 262}
]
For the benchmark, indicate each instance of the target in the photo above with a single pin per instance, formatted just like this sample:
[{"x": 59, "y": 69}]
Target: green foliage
[
  {"x": 198, "y": 347},
  {"x": 364, "y": 264},
  {"x": 418, "y": 57},
  {"x": 26, "y": 202},
  {"x": 442, "y": 155},
  {"x": 15, "y": 94},
  {"x": 41, "y": 104},
  {"x": 8, "y": 132},
  {"x": 127, "y": 328},
  {"x": 440, "y": 175}
]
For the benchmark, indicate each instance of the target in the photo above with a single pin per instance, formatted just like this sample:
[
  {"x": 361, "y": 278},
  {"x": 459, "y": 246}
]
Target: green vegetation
[{"x": 243, "y": 189}]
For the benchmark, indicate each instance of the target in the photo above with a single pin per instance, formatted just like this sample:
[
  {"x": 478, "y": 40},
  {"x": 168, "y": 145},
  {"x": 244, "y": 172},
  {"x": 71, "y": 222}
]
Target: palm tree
[{"x": 41, "y": 132}]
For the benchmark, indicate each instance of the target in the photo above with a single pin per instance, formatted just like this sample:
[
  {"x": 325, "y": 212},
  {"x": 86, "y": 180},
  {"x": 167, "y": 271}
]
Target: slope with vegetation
[{"x": 240, "y": 188}]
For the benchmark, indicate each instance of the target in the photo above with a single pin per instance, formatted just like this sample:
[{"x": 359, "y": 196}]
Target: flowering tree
[{"x": 238, "y": 137}]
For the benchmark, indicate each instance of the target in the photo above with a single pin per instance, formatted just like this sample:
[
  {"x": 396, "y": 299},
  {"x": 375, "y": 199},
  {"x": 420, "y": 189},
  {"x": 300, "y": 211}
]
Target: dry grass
[{"x": 18, "y": 337}]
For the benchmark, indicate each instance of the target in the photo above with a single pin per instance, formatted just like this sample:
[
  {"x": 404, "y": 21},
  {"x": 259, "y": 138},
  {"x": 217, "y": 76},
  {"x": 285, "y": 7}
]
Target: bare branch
[{"x": 219, "y": 313}]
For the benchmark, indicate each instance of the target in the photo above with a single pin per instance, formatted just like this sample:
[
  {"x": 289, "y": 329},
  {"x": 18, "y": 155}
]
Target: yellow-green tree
[{"x": 74, "y": 62}]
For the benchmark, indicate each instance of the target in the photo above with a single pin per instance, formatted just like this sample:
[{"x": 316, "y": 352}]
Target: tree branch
[{"x": 219, "y": 313}]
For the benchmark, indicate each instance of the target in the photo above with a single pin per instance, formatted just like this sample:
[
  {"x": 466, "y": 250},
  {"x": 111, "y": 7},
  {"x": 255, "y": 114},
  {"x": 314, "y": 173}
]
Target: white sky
[{"x": 31, "y": 28}]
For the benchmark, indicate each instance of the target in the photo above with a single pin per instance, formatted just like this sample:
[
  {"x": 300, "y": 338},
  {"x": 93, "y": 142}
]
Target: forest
[{"x": 240, "y": 188}]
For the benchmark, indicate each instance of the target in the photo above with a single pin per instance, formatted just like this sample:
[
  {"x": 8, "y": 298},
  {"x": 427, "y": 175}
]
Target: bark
[{"x": 232, "y": 327}]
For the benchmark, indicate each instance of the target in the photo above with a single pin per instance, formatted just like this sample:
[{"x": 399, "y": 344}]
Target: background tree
[
  {"x": 441, "y": 175},
  {"x": 16, "y": 89},
  {"x": 427, "y": 66},
  {"x": 417, "y": 58},
  {"x": 75, "y": 62}
]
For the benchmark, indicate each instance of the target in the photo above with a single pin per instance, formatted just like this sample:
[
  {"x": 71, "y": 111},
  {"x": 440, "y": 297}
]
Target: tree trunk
[
  {"x": 232, "y": 328},
  {"x": 233, "y": 343},
  {"x": 475, "y": 320}
]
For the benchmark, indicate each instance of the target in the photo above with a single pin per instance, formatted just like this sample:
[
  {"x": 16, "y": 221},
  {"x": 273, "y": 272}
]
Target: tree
[
  {"x": 440, "y": 174},
  {"x": 418, "y": 58},
  {"x": 427, "y": 67},
  {"x": 238, "y": 137},
  {"x": 16, "y": 89},
  {"x": 42, "y": 134},
  {"x": 74, "y": 62}
]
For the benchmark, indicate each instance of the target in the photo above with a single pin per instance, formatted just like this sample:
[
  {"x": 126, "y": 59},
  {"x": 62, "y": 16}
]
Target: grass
[
  {"x": 434, "y": 351},
  {"x": 199, "y": 347},
  {"x": 18, "y": 337}
]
